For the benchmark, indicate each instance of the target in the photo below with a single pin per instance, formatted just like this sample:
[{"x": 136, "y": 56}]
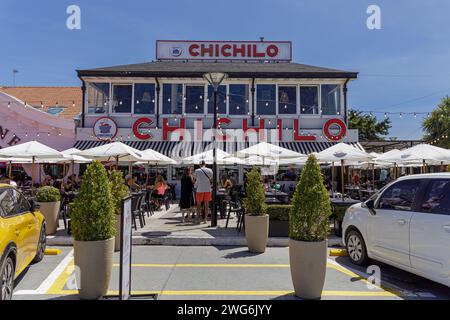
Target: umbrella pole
[
  {"x": 73, "y": 173},
  {"x": 40, "y": 173},
  {"x": 332, "y": 176},
  {"x": 32, "y": 176},
  {"x": 117, "y": 162},
  {"x": 342, "y": 176},
  {"x": 130, "y": 169},
  {"x": 148, "y": 172},
  {"x": 156, "y": 168},
  {"x": 373, "y": 176},
  {"x": 10, "y": 170},
  {"x": 442, "y": 166}
]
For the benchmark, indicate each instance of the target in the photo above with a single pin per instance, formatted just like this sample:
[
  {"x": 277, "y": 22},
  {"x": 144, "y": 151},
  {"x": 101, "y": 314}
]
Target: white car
[{"x": 406, "y": 225}]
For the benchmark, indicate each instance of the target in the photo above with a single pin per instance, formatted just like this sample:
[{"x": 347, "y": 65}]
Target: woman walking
[{"x": 187, "y": 193}]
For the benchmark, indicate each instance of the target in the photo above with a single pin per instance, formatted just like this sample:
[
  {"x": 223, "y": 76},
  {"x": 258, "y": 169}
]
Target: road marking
[
  {"x": 53, "y": 276},
  {"x": 212, "y": 265}
]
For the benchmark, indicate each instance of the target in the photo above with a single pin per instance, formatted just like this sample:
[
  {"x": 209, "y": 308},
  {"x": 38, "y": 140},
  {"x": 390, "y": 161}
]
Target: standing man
[{"x": 203, "y": 177}]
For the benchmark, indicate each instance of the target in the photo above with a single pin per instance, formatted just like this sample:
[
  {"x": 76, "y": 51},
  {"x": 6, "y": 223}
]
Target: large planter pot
[
  {"x": 94, "y": 260},
  {"x": 118, "y": 232},
  {"x": 50, "y": 210},
  {"x": 278, "y": 228},
  {"x": 257, "y": 232},
  {"x": 308, "y": 261}
]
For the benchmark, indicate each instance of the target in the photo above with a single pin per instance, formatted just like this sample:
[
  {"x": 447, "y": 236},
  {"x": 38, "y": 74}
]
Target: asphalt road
[{"x": 224, "y": 273}]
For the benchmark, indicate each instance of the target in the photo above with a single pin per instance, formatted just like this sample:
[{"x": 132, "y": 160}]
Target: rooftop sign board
[{"x": 224, "y": 50}]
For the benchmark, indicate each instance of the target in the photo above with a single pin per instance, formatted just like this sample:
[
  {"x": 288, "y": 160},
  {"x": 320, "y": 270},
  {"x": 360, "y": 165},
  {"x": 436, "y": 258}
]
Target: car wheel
[
  {"x": 7, "y": 279},
  {"x": 41, "y": 246},
  {"x": 356, "y": 248}
]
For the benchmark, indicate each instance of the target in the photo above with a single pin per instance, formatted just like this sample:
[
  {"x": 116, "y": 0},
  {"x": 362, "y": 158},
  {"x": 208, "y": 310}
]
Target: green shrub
[
  {"x": 279, "y": 212},
  {"x": 118, "y": 189},
  {"x": 311, "y": 209},
  {"x": 92, "y": 212},
  {"x": 48, "y": 194},
  {"x": 255, "y": 195}
]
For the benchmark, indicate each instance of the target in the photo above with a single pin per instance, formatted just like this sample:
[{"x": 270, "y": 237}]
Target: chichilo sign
[{"x": 224, "y": 50}]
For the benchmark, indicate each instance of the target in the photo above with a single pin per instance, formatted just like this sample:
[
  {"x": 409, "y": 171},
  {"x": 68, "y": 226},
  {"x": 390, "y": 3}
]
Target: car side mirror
[
  {"x": 370, "y": 205},
  {"x": 34, "y": 206}
]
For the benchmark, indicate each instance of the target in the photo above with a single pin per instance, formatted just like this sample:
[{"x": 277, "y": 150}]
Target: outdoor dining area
[{"x": 351, "y": 175}]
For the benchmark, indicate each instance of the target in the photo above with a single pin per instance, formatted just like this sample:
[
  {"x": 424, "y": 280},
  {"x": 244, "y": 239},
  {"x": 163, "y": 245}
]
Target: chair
[
  {"x": 233, "y": 207},
  {"x": 135, "y": 210}
]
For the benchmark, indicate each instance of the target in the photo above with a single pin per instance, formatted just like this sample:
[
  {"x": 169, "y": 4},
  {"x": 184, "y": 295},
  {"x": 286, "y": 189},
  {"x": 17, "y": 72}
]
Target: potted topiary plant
[
  {"x": 118, "y": 191},
  {"x": 256, "y": 219},
  {"x": 308, "y": 232},
  {"x": 92, "y": 222},
  {"x": 49, "y": 199}
]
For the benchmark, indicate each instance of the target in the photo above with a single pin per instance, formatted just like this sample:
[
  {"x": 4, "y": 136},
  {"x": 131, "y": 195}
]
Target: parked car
[
  {"x": 406, "y": 225},
  {"x": 22, "y": 237}
]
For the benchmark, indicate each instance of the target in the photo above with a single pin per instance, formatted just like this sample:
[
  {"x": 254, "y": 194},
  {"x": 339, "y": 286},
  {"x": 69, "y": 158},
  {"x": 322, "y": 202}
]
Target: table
[{"x": 281, "y": 197}]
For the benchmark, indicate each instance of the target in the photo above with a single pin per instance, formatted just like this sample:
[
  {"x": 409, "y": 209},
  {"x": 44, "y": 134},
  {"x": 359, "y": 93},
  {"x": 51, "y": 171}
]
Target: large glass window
[
  {"x": 144, "y": 98},
  {"x": 194, "y": 99},
  {"x": 122, "y": 95},
  {"x": 400, "y": 196},
  {"x": 238, "y": 99},
  {"x": 265, "y": 98},
  {"x": 221, "y": 97},
  {"x": 331, "y": 99},
  {"x": 309, "y": 100},
  {"x": 287, "y": 99},
  {"x": 98, "y": 97},
  {"x": 437, "y": 197},
  {"x": 172, "y": 98}
]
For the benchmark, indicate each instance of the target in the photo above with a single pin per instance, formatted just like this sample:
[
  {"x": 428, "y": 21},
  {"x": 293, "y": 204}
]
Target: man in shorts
[{"x": 203, "y": 178}]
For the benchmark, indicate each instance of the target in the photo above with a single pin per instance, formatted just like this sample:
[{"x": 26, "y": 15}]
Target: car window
[
  {"x": 437, "y": 197},
  {"x": 400, "y": 196},
  {"x": 21, "y": 204},
  {"x": 7, "y": 203}
]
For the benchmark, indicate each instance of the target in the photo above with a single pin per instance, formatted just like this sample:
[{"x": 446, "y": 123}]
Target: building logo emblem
[
  {"x": 105, "y": 128},
  {"x": 176, "y": 51}
]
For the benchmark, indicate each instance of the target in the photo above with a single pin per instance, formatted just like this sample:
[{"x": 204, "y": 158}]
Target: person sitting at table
[
  {"x": 131, "y": 183},
  {"x": 48, "y": 181},
  {"x": 267, "y": 185},
  {"x": 159, "y": 189},
  {"x": 225, "y": 183}
]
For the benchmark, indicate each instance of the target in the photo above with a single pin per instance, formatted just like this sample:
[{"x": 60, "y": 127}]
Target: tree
[
  {"x": 437, "y": 125},
  {"x": 369, "y": 128},
  {"x": 255, "y": 194}
]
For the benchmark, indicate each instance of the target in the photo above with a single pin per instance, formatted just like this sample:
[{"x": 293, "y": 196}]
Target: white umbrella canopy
[
  {"x": 222, "y": 158},
  {"x": 153, "y": 156},
  {"x": 31, "y": 149},
  {"x": 342, "y": 151},
  {"x": 117, "y": 151},
  {"x": 420, "y": 153},
  {"x": 268, "y": 150},
  {"x": 260, "y": 161},
  {"x": 70, "y": 151}
]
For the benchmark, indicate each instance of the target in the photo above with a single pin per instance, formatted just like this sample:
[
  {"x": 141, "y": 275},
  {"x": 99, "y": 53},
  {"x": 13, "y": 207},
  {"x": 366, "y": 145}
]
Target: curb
[{"x": 183, "y": 241}]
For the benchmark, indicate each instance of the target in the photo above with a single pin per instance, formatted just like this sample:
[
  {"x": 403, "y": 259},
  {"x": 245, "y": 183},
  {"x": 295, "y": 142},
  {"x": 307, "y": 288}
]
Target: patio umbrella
[
  {"x": 113, "y": 150},
  {"x": 151, "y": 156},
  {"x": 342, "y": 152},
  {"x": 268, "y": 150},
  {"x": 31, "y": 150},
  {"x": 222, "y": 158}
]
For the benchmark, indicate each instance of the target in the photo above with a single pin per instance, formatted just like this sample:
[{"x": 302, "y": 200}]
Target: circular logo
[
  {"x": 335, "y": 129},
  {"x": 105, "y": 128},
  {"x": 176, "y": 51}
]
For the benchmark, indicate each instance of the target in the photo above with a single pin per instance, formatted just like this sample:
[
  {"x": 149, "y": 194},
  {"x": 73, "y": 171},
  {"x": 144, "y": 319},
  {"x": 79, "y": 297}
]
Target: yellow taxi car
[{"x": 22, "y": 237}]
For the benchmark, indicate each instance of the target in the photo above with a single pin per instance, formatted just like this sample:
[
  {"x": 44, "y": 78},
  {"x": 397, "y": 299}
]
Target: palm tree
[{"x": 437, "y": 125}]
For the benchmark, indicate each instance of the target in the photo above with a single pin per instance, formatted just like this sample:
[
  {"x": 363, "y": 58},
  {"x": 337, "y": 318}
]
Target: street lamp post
[{"x": 214, "y": 79}]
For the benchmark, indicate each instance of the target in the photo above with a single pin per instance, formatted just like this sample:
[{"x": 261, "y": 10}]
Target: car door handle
[
  {"x": 401, "y": 222},
  {"x": 447, "y": 228}
]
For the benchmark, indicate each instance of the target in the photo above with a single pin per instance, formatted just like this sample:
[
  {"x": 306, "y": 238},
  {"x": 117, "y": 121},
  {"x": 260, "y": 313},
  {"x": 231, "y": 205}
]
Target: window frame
[
  {"x": 417, "y": 198},
  {"x": 155, "y": 97},
  {"x": 111, "y": 100},
  {"x": 297, "y": 100}
]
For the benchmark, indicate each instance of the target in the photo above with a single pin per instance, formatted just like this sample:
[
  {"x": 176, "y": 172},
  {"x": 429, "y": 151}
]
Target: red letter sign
[
  {"x": 342, "y": 129},
  {"x": 136, "y": 127}
]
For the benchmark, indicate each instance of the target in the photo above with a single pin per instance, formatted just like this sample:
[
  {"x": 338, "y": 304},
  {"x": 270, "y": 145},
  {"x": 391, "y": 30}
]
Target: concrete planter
[
  {"x": 50, "y": 210},
  {"x": 94, "y": 260},
  {"x": 118, "y": 224},
  {"x": 278, "y": 228},
  {"x": 308, "y": 262},
  {"x": 257, "y": 232}
]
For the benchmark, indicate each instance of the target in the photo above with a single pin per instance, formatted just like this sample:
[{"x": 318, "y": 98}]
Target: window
[
  {"x": 22, "y": 205},
  {"x": 331, "y": 99},
  {"x": 309, "y": 100},
  {"x": 287, "y": 100},
  {"x": 400, "y": 196},
  {"x": 98, "y": 97},
  {"x": 221, "y": 97},
  {"x": 437, "y": 197},
  {"x": 7, "y": 203},
  {"x": 172, "y": 98},
  {"x": 265, "y": 98},
  {"x": 122, "y": 95},
  {"x": 144, "y": 98},
  {"x": 194, "y": 99},
  {"x": 238, "y": 101}
]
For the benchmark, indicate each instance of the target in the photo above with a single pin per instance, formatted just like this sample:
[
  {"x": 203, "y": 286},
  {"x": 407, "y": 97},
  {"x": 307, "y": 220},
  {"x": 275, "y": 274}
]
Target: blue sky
[{"x": 404, "y": 67}]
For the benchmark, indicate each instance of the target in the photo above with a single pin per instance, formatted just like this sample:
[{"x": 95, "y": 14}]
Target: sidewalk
[{"x": 166, "y": 228}]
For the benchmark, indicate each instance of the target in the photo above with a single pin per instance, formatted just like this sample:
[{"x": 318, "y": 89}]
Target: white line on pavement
[{"x": 48, "y": 282}]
